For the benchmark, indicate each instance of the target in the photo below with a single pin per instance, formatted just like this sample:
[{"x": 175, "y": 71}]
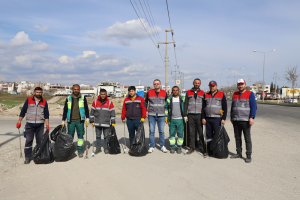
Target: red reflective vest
[
  {"x": 241, "y": 106},
  {"x": 213, "y": 104},
  {"x": 35, "y": 113},
  {"x": 195, "y": 105},
  {"x": 156, "y": 103}
]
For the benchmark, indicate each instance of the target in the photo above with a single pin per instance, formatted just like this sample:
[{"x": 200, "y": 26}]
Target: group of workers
[{"x": 194, "y": 110}]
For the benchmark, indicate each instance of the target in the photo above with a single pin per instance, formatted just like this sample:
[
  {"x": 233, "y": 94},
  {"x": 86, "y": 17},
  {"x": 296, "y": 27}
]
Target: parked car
[{"x": 290, "y": 100}]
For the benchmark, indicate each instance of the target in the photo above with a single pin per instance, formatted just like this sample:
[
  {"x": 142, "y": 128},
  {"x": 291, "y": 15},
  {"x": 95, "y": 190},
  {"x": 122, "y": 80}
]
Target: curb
[{"x": 273, "y": 104}]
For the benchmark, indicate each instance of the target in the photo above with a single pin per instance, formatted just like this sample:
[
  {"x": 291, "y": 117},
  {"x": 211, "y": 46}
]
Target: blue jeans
[
  {"x": 132, "y": 125},
  {"x": 161, "y": 125},
  {"x": 99, "y": 131}
]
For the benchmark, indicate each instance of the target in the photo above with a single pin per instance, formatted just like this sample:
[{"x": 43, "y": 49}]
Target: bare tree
[{"x": 291, "y": 76}]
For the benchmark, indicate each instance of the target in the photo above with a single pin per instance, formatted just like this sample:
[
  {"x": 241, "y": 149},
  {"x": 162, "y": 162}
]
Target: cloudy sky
[{"x": 89, "y": 41}]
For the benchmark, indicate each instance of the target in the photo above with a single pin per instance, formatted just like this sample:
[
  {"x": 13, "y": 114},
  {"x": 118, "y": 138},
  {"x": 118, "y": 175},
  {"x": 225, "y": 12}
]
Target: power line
[{"x": 168, "y": 14}]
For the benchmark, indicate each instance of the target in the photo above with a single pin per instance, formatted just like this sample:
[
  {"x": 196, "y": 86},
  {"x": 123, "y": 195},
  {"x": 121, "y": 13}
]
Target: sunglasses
[{"x": 155, "y": 83}]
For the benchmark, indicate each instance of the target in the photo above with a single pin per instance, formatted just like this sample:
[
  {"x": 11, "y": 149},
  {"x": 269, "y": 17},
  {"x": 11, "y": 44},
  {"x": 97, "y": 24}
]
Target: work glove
[
  {"x": 18, "y": 125},
  {"x": 142, "y": 119},
  {"x": 87, "y": 120},
  {"x": 186, "y": 119},
  {"x": 48, "y": 128},
  {"x": 166, "y": 120},
  {"x": 63, "y": 123},
  {"x": 113, "y": 125},
  {"x": 221, "y": 112},
  {"x": 93, "y": 125}
]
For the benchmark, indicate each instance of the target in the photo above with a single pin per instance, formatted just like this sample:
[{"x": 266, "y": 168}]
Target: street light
[
  {"x": 234, "y": 73},
  {"x": 264, "y": 70}
]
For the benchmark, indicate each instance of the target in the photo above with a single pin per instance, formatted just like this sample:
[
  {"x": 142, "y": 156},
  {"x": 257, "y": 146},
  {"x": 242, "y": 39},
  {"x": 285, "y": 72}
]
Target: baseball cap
[
  {"x": 213, "y": 83},
  {"x": 241, "y": 81}
]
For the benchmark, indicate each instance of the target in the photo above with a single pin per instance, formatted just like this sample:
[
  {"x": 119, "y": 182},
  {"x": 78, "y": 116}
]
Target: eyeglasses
[{"x": 155, "y": 83}]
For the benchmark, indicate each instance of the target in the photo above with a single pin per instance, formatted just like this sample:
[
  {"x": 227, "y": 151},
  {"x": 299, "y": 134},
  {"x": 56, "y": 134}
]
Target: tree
[
  {"x": 271, "y": 87},
  {"x": 291, "y": 76}
]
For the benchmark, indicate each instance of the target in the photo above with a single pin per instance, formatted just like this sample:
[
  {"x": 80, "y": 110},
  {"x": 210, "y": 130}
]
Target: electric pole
[
  {"x": 175, "y": 72},
  {"x": 275, "y": 77},
  {"x": 166, "y": 58},
  {"x": 181, "y": 81}
]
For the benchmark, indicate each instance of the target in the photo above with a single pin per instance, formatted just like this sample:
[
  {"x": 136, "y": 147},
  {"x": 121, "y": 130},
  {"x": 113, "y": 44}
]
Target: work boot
[
  {"x": 27, "y": 160},
  {"x": 80, "y": 155},
  {"x": 98, "y": 150},
  {"x": 191, "y": 151},
  {"x": 172, "y": 151},
  {"x": 178, "y": 151},
  {"x": 106, "y": 150},
  {"x": 238, "y": 155},
  {"x": 202, "y": 150},
  {"x": 248, "y": 159}
]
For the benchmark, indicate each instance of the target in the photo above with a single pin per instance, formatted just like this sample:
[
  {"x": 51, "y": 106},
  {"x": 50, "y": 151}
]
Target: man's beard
[{"x": 38, "y": 96}]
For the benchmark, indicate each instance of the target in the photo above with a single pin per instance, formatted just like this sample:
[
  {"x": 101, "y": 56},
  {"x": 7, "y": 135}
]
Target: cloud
[
  {"x": 2, "y": 45},
  {"x": 124, "y": 33},
  {"x": 41, "y": 28},
  {"x": 22, "y": 40}
]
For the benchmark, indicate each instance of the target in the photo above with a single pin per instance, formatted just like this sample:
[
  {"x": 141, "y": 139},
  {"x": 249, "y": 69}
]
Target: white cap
[{"x": 241, "y": 81}]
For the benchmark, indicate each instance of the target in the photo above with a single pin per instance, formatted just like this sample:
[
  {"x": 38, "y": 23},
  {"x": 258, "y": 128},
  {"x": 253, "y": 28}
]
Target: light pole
[{"x": 264, "y": 70}]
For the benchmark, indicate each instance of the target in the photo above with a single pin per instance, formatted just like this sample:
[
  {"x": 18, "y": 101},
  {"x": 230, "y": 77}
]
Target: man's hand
[
  {"x": 203, "y": 121},
  {"x": 223, "y": 122},
  {"x": 48, "y": 128},
  {"x": 123, "y": 121},
  {"x": 93, "y": 125},
  {"x": 113, "y": 124},
  {"x": 166, "y": 120},
  {"x": 87, "y": 120},
  {"x": 18, "y": 125},
  {"x": 185, "y": 120},
  {"x": 251, "y": 121},
  {"x": 63, "y": 123},
  {"x": 142, "y": 120},
  {"x": 147, "y": 114}
]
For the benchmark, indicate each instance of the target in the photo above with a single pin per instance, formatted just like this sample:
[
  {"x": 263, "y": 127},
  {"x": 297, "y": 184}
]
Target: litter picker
[
  {"x": 86, "y": 149},
  {"x": 21, "y": 156},
  {"x": 204, "y": 130},
  {"x": 93, "y": 154},
  {"x": 125, "y": 150}
]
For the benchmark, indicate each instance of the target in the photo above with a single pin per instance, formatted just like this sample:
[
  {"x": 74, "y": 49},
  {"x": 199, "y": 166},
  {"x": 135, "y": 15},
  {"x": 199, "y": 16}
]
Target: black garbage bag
[
  {"x": 138, "y": 146},
  {"x": 112, "y": 142},
  {"x": 42, "y": 152},
  {"x": 219, "y": 144},
  {"x": 63, "y": 147}
]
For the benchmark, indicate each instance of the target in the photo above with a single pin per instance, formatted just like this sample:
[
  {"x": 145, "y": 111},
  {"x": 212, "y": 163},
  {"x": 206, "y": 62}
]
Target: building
[
  {"x": 288, "y": 92},
  {"x": 7, "y": 87},
  {"x": 257, "y": 88}
]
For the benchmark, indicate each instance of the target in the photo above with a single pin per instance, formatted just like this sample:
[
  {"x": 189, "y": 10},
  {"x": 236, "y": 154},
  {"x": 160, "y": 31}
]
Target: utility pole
[
  {"x": 275, "y": 77},
  {"x": 181, "y": 81},
  {"x": 166, "y": 58},
  {"x": 175, "y": 72}
]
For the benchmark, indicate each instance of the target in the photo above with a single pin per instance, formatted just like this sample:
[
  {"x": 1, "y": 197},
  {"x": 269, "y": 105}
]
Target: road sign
[{"x": 177, "y": 82}]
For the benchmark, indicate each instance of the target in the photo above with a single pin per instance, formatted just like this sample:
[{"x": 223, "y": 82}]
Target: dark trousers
[
  {"x": 132, "y": 125},
  {"x": 239, "y": 127},
  {"x": 30, "y": 132},
  {"x": 195, "y": 125},
  {"x": 212, "y": 126}
]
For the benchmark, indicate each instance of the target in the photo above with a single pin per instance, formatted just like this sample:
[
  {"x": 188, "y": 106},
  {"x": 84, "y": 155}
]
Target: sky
[{"x": 86, "y": 42}]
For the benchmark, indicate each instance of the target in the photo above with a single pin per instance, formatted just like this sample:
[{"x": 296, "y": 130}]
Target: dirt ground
[{"x": 274, "y": 172}]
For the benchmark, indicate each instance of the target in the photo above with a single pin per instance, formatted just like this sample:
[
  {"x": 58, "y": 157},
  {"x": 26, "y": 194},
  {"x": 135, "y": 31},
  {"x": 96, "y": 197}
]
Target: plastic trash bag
[
  {"x": 112, "y": 142},
  {"x": 42, "y": 152},
  {"x": 63, "y": 147},
  {"x": 138, "y": 146},
  {"x": 219, "y": 144}
]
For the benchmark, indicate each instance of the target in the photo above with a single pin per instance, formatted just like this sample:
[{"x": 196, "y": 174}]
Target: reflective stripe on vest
[
  {"x": 213, "y": 105},
  {"x": 195, "y": 105},
  {"x": 35, "y": 113},
  {"x": 156, "y": 102},
  {"x": 81, "y": 107},
  {"x": 241, "y": 106}
]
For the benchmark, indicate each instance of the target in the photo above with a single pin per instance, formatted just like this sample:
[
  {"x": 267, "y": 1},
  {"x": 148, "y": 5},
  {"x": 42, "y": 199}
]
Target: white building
[
  {"x": 257, "y": 88},
  {"x": 288, "y": 92}
]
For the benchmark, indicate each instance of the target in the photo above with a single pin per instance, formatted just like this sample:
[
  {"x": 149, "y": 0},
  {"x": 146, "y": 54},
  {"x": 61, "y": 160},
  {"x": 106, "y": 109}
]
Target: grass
[{"x": 11, "y": 100}]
